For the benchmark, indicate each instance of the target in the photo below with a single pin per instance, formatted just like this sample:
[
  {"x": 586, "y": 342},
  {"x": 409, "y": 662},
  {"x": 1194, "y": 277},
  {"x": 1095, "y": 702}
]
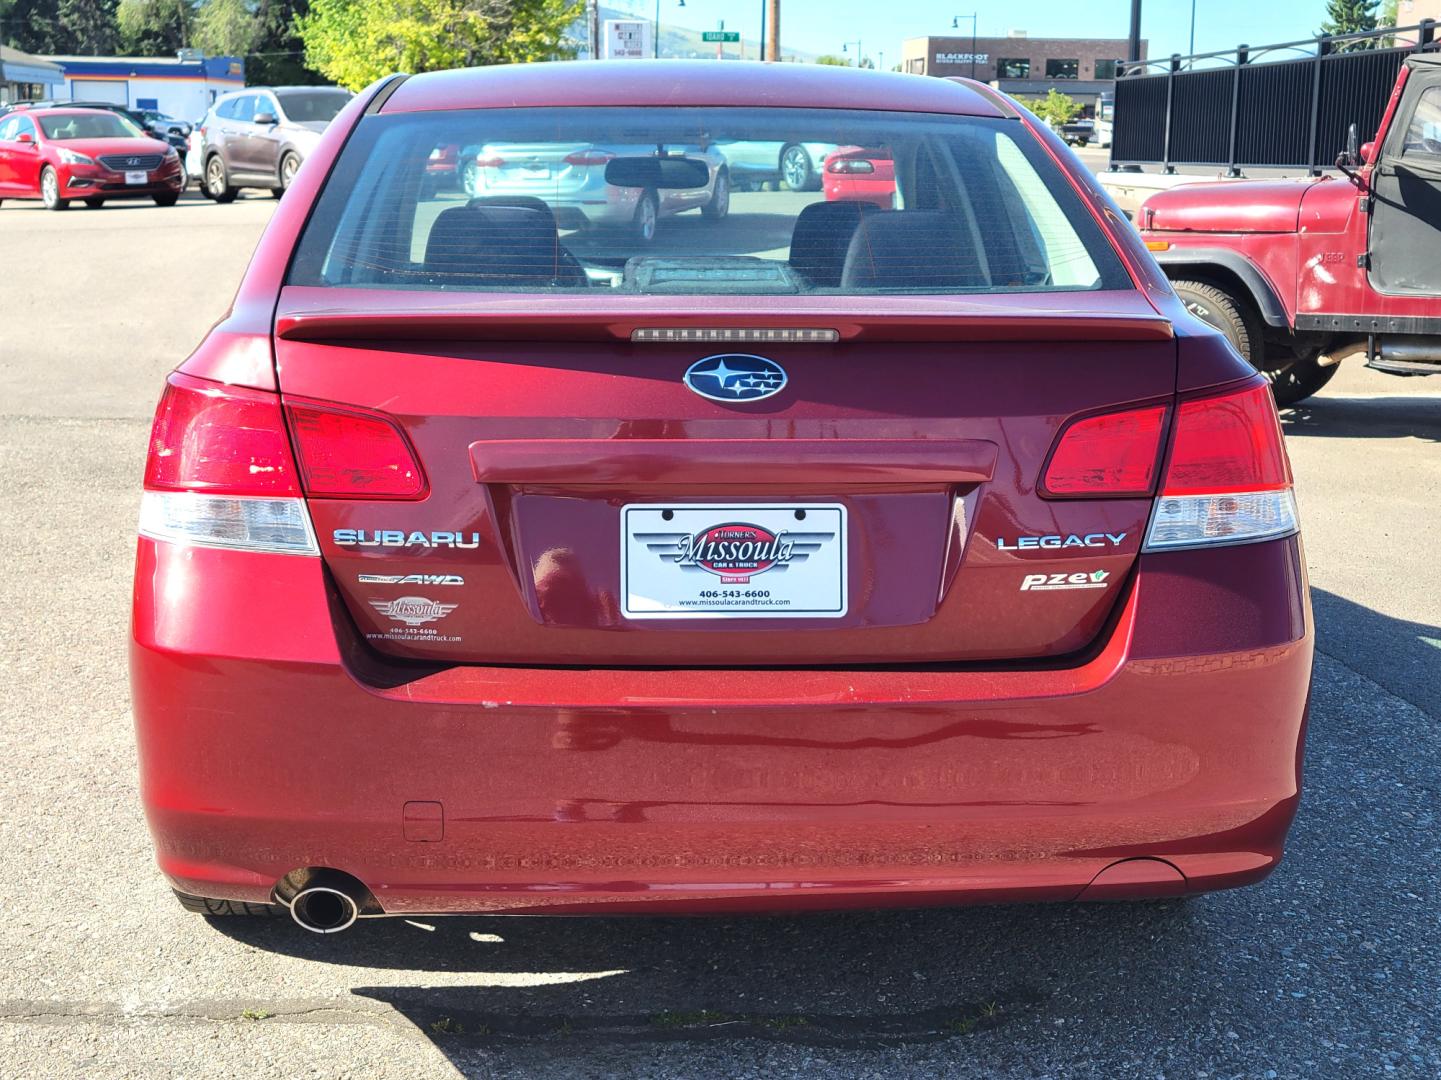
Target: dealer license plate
[
  {"x": 733, "y": 561},
  {"x": 136, "y": 177}
]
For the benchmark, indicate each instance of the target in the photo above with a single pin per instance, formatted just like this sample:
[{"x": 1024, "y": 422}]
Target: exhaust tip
[{"x": 324, "y": 910}]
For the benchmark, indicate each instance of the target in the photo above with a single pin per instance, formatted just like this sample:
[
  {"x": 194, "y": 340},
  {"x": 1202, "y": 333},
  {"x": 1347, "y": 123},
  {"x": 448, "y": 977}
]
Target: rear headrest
[
  {"x": 526, "y": 202},
  {"x": 496, "y": 246},
  {"x": 821, "y": 236},
  {"x": 917, "y": 249}
]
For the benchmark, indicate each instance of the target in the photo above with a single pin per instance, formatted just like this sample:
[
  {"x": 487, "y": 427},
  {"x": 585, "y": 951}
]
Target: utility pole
[
  {"x": 1133, "y": 46},
  {"x": 956, "y": 25},
  {"x": 773, "y": 40},
  {"x": 592, "y": 19}
]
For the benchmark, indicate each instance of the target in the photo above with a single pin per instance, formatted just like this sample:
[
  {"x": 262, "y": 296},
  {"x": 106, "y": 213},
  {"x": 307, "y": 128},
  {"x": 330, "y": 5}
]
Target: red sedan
[
  {"x": 853, "y": 172},
  {"x": 821, "y": 556},
  {"x": 57, "y": 155}
]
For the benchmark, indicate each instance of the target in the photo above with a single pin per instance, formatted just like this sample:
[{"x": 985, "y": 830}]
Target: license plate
[
  {"x": 535, "y": 172},
  {"x": 136, "y": 177},
  {"x": 733, "y": 561}
]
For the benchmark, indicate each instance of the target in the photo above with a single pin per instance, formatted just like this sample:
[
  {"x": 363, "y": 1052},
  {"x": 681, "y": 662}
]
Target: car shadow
[
  {"x": 1343, "y": 417},
  {"x": 1292, "y": 959},
  {"x": 1402, "y": 656},
  {"x": 929, "y": 974}
]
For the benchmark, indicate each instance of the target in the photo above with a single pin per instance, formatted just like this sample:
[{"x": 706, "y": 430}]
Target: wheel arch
[{"x": 1230, "y": 271}]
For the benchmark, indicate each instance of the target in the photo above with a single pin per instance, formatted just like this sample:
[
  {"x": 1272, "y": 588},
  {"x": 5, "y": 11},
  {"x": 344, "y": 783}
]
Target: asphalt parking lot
[{"x": 1330, "y": 968}]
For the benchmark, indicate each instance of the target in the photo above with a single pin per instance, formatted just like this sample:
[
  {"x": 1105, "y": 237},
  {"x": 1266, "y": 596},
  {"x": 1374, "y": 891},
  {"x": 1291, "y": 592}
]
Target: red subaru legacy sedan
[
  {"x": 56, "y": 155},
  {"x": 813, "y": 555}
]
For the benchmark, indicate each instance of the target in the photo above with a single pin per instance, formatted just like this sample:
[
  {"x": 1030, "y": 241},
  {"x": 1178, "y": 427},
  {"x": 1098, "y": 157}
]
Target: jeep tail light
[
  {"x": 1227, "y": 480},
  {"x": 220, "y": 471},
  {"x": 350, "y": 454},
  {"x": 1111, "y": 455}
]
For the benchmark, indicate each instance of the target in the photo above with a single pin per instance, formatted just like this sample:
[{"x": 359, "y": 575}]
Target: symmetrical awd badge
[{"x": 736, "y": 377}]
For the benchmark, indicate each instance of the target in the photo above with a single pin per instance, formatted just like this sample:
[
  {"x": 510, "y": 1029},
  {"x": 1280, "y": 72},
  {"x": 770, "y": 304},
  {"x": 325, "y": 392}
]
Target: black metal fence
[{"x": 1238, "y": 109}]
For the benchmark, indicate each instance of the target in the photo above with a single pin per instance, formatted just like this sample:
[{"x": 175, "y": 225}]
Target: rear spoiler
[
  {"x": 380, "y": 316},
  {"x": 753, "y": 329}
]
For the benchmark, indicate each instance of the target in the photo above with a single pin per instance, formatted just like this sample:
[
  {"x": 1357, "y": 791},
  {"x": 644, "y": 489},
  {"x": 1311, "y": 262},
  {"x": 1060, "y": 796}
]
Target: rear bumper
[{"x": 270, "y": 740}]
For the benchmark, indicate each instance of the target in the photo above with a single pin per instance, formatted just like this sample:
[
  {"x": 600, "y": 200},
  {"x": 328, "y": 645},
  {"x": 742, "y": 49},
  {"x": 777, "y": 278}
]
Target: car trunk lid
[{"x": 577, "y": 480}]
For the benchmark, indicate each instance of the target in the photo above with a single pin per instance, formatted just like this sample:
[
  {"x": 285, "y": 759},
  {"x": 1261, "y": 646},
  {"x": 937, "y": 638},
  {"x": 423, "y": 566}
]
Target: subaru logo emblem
[{"x": 736, "y": 377}]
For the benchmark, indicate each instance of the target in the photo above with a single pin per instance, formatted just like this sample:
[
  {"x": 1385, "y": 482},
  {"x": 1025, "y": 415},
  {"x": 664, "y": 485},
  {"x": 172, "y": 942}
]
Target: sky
[{"x": 821, "y": 26}]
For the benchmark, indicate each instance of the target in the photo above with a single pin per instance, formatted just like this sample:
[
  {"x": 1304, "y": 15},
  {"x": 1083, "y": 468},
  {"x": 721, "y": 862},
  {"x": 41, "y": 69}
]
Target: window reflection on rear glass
[
  {"x": 701, "y": 201},
  {"x": 310, "y": 106}
]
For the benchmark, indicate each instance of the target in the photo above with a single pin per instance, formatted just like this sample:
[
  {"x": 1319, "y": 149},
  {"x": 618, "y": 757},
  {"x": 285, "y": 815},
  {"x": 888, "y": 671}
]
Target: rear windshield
[
  {"x": 700, "y": 202},
  {"x": 309, "y": 106},
  {"x": 94, "y": 125}
]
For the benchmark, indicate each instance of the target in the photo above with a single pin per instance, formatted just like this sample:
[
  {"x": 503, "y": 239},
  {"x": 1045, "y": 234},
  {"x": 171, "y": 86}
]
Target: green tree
[
  {"x": 1351, "y": 17},
  {"x": 60, "y": 26},
  {"x": 1055, "y": 108},
  {"x": 226, "y": 28},
  {"x": 154, "y": 27},
  {"x": 832, "y": 60},
  {"x": 87, "y": 27},
  {"x": 278, "y": 58},
  {"x": 355, "y": 42}
]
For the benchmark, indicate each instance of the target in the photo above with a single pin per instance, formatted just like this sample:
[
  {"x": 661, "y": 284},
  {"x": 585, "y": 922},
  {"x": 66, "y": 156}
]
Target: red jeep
[{"x": 1301, "y": 274}]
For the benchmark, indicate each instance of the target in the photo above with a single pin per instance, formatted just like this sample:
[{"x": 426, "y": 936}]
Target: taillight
[
  {"x": 220, "y": 471},
  {"x": 349, "y": 454},
  {"x": 588, "y": 157},
  {"x": 490, "y": 162},
  {"x": 220, "y": 439},
  {"x": 1227, "y": 479},
  {"x": 850, "y": 165},
  {"x": 1107, "y": 456}
]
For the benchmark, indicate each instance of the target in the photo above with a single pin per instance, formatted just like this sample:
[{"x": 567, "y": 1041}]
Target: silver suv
[{"x": 258, "y": 137}]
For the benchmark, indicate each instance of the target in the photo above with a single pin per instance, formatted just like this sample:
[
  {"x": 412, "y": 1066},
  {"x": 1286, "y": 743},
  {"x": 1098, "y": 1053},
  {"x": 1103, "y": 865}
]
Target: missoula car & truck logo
[
  {"x": 413, "y": 610},
  {"x": 736, "y": 377},
  {"x": 737, "y": 551}
]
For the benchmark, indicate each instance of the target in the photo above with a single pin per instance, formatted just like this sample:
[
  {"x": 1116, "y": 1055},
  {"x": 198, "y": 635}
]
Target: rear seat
[
  {"x": 820, "y": 238},
  {"x": 912, "y": 249},
  {"x": 500, "y": 244}
]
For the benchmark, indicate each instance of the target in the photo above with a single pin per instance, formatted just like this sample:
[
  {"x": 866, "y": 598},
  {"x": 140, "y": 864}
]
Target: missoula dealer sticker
[
  {"x": 778, "y": 561},
  {"x": 411, "y": 616}
]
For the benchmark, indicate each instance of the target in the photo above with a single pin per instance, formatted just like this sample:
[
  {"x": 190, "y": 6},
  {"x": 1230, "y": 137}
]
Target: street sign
[
  {"x": 720, "y": 35},
  {"x": 626, "y": 39}
]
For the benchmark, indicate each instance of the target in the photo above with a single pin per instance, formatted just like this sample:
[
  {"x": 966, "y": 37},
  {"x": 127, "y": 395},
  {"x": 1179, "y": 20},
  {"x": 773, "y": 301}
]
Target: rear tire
[
  {"x": 647, "y": 217},
  {"x": 289, "y": 166},
  {"x": 1293, "y": 376},
  {"x": 720, "y": 200},
  {"x": 798, "y": 170},
  {"x": 216, "y": 182},
  {"x": 203, "y": 905},
  {"x": 1296, "y": 376}
]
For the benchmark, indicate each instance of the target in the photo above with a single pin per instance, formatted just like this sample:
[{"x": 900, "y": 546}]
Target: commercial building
[
  {"x": 182, "y": 86},
  {"x": 27, "y": 78},
  {"x": 1024, "y": 67}
]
